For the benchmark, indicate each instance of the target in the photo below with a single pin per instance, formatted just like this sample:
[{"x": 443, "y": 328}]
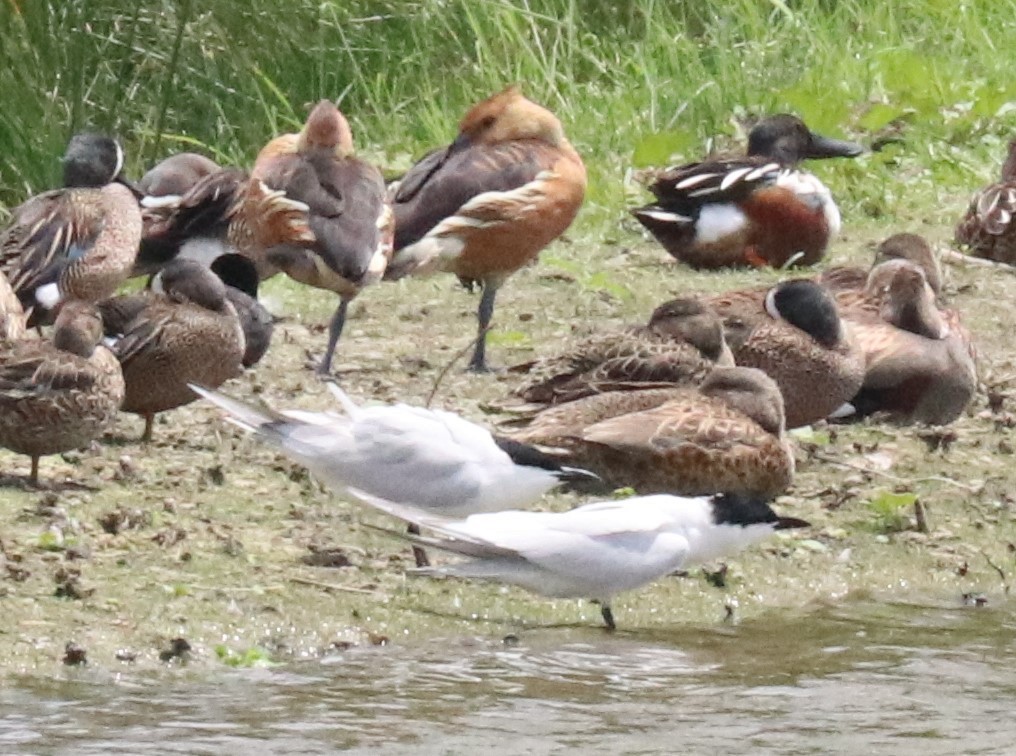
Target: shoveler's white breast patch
[
  {"x": 717, "y": 221},
  {"x": 813, "y": 193}
]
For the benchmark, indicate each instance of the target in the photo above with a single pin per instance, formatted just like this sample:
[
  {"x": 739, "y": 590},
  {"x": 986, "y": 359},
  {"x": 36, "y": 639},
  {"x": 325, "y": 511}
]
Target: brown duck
[
  {"x": 679, "y": 346},
  {"x": 903, "y": 246},
  {"x": 987, "y": 228},
  {"x": 60, "y": 395},
  {"x": 185, "y": 330},
  {"x": 484, "y": 206},
  {"x": 348, "y": 210},
  {"x": 793, "y": 333},
  {"x": 726, "y": 435}
]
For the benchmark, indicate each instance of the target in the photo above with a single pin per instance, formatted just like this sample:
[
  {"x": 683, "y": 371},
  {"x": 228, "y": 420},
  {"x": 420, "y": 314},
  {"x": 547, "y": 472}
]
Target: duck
[
  {"x": 171, "y": 178},
  {"x": 757, "y": 210},
  {"x": 987, "y": 228},
  {"x": 900, "y": 246},
  {"x": 920, "y": 362},
  {"x": 793, "y": 332},
  {"x": 680, "y": 344},
  {"x": 223, "y": 212},
  {"x": 59, "y": 394},
  {"x": 183, "y": 330},
  {"x": 78, "y": 242},
  {"x": 349, "y": 212},
  {"x": 12, "y": 315},
  {"x": 240, "y": 276},
  {"x": 725, "y": 435},
  {"x": 597, "y": 550},
  {"x": 487, "y": 204}
]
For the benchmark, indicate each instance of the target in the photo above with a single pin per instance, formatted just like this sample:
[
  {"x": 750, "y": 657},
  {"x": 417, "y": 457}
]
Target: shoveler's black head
[
  {"x": 739, "y": 509},
  {"x": 808, "y": 306},
  {"x": 786, "y": 139},
  {"x": 238, "y": 272},
  {"x": 92, "y": 160}
]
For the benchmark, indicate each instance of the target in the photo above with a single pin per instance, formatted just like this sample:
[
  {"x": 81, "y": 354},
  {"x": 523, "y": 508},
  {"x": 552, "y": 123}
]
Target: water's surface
[{"x": 860, "y": 678}]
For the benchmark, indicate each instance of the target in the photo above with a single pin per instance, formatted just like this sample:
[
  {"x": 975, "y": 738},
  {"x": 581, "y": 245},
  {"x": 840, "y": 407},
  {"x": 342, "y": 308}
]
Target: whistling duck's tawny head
[
  {"x": 326, "y": 129},
  {"x": 509, "y": 116},
  {"x": 915, "y": 249}
]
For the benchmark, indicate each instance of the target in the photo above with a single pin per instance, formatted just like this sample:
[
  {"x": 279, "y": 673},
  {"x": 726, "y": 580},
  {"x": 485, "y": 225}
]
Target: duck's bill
[{"x": 824, "y": 147}]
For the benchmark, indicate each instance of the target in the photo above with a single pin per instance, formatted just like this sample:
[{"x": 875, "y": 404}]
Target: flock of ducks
[{"x": 691, "y": 410}]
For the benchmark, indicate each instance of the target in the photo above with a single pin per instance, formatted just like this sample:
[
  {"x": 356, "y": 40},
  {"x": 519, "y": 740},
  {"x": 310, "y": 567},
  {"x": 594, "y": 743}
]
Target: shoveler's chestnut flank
[
  {"x": 757, "y": 210},
  {"x": 60, "y": 395},
  {"x": 988, "y": 228},
  {"x": 726, "y": 435},
  {"x": 794, "y": 334},
  {"x": 78, "y": 242},
  {"x": 223, "y": 212},
  {"x": 348, "y": 209},
  {"x": 682, "y": 342},
  {"x": 184, "y": 330},
  {"x": 486, "y": 205}
]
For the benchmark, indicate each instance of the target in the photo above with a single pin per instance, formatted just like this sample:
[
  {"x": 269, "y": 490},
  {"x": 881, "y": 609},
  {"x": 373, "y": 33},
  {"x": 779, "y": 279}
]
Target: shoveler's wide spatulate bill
[
  {"x": 756, "y": 210},
  {"x": 485, "y": 205}
]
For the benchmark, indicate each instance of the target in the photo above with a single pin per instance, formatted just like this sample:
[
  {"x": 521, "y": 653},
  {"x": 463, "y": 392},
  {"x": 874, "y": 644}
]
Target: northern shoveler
[
  {"x": 757, "y": 210},
  {"x": 794, "y": 334},
  {"x": 221, "y": 213},
  {"x": 988, "y": 229},
  {"x": 78, "y": 242},
  {"x": 182, "y": 331},
  {"x": 349, "y": 211},
  {"x": 682, "y": 342},
  {"x": 486, "y": 205},
  {"x": 725, "y": 435},
  {"x": 920, "y": 360},
  {"x": 60, "y": 395}
]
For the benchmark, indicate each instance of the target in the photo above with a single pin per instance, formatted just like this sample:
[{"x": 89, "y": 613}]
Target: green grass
[{"x": 636, "y": 83}]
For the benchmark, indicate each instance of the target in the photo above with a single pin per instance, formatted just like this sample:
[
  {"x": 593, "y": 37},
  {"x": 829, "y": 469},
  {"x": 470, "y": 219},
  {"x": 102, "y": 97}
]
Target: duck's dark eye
[{"x": 487, "y": 122}]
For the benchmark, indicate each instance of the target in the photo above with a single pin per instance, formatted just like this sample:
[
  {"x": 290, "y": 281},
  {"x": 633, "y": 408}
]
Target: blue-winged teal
[
  {"x": 60, "y": 395},
  {"x": 78, "y": 242},
  {"x": 988, "y": 229},
  {"x": 682, "y": 342},
  {"x": 793, "y": 333},
  {"x": 184, "y": 330},
  {"x": 725, "y": 435},
  {"x": 485, "y": 206},
  {"x": 757, "y": 210},
  {"x": 348, "y": 210}
]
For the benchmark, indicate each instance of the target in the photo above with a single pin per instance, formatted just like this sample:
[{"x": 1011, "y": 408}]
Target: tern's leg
[
  {"x": 334, "y": 332},
  {"x": 478, "y": 364},
  {"x": 608, "y": 617},
  {"x": 418, "y": 553}
]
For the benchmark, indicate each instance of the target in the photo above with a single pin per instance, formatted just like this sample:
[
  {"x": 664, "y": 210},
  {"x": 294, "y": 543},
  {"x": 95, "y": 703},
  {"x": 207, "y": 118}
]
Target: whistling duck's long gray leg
[
  {"x": 334, "y": 332},
  {"x": 478, "y": 364},
  {"x": 608, "y": 617}
]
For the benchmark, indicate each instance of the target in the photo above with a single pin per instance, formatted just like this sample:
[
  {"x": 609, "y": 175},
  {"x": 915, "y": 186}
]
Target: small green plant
[
  {"x": 889, "y": 510},
  {"x": 252, "y": 657}
]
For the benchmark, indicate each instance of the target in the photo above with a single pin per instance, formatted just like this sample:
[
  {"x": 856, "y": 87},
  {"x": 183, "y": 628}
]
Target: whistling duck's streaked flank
[
  {"x": 793, "y": 333},
  {"x": 726, "y": 435},
  {"x": 60, "y": 395},
  {"x": 12, "y": 315},
  {"x": 79, "y": 242},
  {"x": 987, "y": 228},
  {"x": 224, "y": 212},
  {"x": 184, "y": 330},
  {"x": 598, "y": 550},
  {"x": 679, "y": 346},
  {"x": 920, "y": 361},
  {"x": 486, "y": 205},
  {"x": 349, "y": 212},
  {"x": 757, "y": 210}
]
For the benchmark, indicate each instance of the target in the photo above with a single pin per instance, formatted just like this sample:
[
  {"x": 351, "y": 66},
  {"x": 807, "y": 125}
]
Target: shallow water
[{"x": 883, "y": 678}]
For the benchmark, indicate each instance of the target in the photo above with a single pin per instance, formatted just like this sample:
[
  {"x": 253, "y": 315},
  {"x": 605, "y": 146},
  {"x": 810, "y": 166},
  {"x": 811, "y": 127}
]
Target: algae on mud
[{"x": 203, "y": 534}]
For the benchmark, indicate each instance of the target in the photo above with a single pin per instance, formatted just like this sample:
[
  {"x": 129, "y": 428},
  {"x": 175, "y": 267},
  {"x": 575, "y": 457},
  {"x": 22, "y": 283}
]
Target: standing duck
[
  {"x": 757, "y": 210},
  {"x": 987, "y": 229},
  {"x": 793, "y": 333},
  {"x": 485, "y": 205},
  {"x": 78, "y": 242},
  {"x": 184, "y": 330},
  {"x": 349, "y": 212},
  {"x": 725, "y": 435},
  {"x": 682, "y": 342},
  {"x": 60, "y": 395}
]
